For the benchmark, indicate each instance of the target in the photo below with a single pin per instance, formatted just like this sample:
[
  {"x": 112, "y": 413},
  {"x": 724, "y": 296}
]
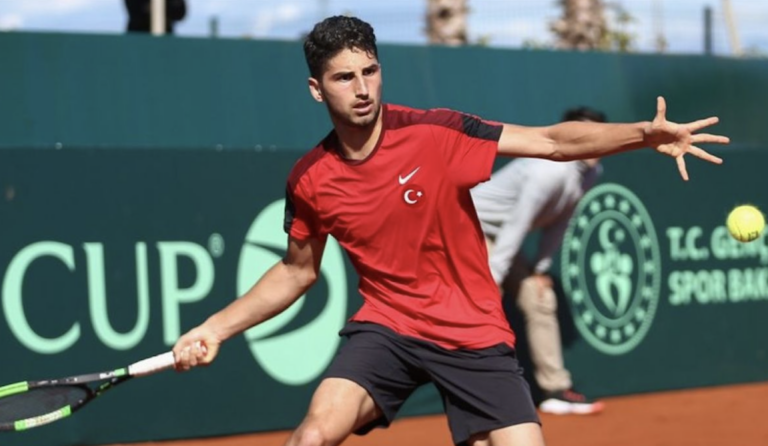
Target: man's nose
[{"x": 361, "y": 87}]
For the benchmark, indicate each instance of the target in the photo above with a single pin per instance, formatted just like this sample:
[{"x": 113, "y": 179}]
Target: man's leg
[
  {"x": 364, "y": 387},
  {"x": 482, "y": 390},
  {"x": 526, "y": 434},
  {"x": 338, "y": 408}
]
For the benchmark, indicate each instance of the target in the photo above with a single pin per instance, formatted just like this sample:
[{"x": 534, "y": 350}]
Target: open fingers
[
  {"x": 661, "y": 108},
  {"x": 708, "y": 138},
  {"x": 701, "y": 123},
  {"x": 681, "y": 167},
  {"x": 706, "y": 156}
]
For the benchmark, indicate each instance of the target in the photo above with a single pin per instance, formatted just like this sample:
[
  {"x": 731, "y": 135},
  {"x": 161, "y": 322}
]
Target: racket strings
[{"x": 39, "y": 401}]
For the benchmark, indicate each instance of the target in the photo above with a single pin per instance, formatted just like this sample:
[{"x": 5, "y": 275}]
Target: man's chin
[
  {"x": 365, "y": 120},
  {"x": 355, "y": 120}
]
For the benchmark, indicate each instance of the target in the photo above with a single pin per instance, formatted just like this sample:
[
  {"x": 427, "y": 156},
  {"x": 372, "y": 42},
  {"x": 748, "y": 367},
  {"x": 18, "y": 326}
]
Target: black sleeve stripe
[
  {"x": 477, "y": 128},
  {"x": 290, "y": 210}
]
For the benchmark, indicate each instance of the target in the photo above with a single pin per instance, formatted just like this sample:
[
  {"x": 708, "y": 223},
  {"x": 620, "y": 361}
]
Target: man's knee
[
  {"x": 312, "y": 433},
  {"x": 480, "y": 439}
]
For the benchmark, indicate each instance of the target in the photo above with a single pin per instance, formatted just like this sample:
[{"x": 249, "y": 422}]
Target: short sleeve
[
  {"x": 301, "y": 220},
  {"x": 469, "y": 145}
]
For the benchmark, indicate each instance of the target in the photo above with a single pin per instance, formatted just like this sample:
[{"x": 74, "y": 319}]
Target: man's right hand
[{"x": 197, "y": 347}]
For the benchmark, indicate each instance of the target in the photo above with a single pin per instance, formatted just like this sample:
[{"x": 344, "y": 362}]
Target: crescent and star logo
[{"x": 414, "y": 193}]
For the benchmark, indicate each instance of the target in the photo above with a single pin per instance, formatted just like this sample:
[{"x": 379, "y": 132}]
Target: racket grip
[{"x": 152, "y": 365}]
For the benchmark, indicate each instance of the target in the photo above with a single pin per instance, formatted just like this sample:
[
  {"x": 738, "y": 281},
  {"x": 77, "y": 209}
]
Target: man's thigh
[
  {"x": 526, "y": 434},
  {"x": 377, "y": 363},
  {"x": 483, "y": 390},
  {"x": 338, "y": 406},
  {"x": 342, "y": 406}
]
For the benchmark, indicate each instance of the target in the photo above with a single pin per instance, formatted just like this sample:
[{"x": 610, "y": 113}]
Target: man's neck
[{"x": 356, "y": 143}]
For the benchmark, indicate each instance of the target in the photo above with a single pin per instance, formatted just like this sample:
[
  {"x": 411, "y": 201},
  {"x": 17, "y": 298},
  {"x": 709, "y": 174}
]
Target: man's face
[{"x": 351, "y": 88}]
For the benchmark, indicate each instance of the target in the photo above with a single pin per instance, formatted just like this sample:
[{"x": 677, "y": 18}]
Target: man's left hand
[{"x": 677, "y": 140}]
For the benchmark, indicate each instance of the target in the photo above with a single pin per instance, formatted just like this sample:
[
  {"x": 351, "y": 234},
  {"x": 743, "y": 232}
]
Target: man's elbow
[
  {"x": 546, "y": 146},
  {"x": 306, "y": 277},
  {"x": 299, "y": 275},
  {"x": 553, "y": 152}
]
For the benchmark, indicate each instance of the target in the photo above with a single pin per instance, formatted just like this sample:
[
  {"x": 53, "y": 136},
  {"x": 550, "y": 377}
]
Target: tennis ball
[{"x": 745, "y": 223}]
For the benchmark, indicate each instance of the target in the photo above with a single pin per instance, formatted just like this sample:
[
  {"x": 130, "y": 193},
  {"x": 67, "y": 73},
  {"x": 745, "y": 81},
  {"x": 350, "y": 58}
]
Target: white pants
[{"x": 539, "y": 306}]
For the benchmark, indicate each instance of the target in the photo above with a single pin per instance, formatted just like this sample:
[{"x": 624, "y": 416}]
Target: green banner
[
  {"x": 659, "y": 294},
  {"x": 118, "y": 252},
  {"x": 110, "y": 255}
]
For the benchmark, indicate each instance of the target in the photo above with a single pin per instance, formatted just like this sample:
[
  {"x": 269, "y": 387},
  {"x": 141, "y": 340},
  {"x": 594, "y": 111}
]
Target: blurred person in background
[
  {"x": 140, "y": 17},
  {"x": 527, "y": 195}
]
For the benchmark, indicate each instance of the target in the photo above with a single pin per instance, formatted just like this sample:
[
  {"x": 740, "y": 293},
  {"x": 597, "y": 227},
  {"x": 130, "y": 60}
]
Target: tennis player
[{"x": 391, "y": 184}]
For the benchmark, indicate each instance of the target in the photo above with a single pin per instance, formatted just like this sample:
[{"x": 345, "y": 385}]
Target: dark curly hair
[
  {"x": 333, "y": 35},
  {"x": 584, "y": 114}
]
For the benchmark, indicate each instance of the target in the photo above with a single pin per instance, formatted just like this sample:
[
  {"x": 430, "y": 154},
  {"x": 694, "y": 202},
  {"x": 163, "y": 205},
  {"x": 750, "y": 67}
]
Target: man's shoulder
[
  {"x": 308, "y": 161},
  {"x": 400, "y": 116}
]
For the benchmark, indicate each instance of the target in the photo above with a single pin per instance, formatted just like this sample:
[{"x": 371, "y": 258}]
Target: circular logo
[
  {"x": 298, "y": 355},
  {"x": 414, "y": 195},
  {"x": 611, "y": 269}
]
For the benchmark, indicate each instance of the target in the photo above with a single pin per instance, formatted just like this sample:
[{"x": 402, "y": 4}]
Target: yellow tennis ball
[{"x": 745, "y": 223}]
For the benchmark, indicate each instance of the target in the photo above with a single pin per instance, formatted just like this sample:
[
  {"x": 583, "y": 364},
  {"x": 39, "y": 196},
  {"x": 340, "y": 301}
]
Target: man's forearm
[
  {"x": 581, "y": 140},
  {"x": 280, "y": 287}
]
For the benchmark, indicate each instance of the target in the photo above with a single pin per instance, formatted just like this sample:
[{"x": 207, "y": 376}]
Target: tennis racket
[{"x": 28, "y": 404}]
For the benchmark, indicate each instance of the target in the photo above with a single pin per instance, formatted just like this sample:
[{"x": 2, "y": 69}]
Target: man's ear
[{"x": 314, "y": 89}]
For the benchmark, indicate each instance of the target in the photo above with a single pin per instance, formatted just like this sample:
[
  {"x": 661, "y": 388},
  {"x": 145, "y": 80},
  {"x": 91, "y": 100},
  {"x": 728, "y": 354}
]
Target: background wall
[{"x": 142, "y": 182}]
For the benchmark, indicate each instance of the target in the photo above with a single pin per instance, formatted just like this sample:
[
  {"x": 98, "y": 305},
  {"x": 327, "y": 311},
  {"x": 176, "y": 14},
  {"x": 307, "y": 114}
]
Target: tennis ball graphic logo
[
  {"x": 299, "y": 355},
  {"x": 745, "y": 223}
]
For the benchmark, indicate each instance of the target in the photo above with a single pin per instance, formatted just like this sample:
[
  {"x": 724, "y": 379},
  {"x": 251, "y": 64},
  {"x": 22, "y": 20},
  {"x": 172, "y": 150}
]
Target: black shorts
[{"x": 482, "y": 390}]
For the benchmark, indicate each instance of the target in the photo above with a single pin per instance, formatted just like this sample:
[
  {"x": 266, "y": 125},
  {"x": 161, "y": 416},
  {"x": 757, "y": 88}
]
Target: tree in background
[
  {"x": 616, "y": 37},
  {"x": 447, "y": 22},
  {"x": 584, "y": 26},
  {"x": 581, "y": 26}
]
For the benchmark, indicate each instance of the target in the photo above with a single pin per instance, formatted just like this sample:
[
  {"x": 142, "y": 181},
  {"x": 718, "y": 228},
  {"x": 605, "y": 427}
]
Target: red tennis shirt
[{"x": 406, "y": 219}]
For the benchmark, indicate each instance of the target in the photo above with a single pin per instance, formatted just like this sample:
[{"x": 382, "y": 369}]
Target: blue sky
[{"x": 504, "y": 23}]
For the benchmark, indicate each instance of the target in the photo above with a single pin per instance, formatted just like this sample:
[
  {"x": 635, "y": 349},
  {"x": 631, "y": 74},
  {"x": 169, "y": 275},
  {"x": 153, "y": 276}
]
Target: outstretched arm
[
  {"x": 277, "y": 289},
  {"x": 581, "y": 140}
]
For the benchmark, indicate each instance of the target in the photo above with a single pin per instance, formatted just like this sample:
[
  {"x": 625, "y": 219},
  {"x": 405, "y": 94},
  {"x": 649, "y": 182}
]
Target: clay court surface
[{"x": 722, "y": 416}]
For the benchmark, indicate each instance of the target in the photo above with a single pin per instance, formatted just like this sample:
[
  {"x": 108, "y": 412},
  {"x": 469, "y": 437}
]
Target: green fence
[{"x": 141, "y": 182}]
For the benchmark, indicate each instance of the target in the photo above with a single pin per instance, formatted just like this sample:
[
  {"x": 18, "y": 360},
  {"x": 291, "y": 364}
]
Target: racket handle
[{"x": 152, "y": 365}]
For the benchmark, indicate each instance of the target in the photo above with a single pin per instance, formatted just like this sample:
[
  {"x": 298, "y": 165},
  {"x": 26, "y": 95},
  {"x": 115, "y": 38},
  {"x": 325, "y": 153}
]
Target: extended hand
[{"x": 677, "y": 140}]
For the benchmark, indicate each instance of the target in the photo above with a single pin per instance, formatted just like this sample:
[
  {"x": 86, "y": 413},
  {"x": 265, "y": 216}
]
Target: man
[
  {"x": 391, "y": 184},
  {"x": 523, "y": 196}
]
